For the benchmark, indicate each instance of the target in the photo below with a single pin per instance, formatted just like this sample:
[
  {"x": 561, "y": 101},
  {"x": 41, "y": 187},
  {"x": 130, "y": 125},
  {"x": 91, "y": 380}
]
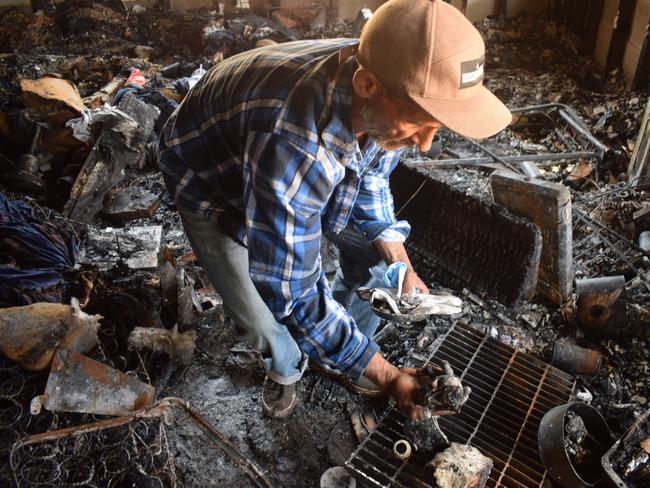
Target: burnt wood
[{"x": 110, "y": 156}]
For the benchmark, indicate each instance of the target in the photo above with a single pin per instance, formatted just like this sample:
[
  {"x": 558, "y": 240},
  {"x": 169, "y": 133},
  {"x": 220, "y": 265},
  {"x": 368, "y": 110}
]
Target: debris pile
[{"x": 84, "y": 92}]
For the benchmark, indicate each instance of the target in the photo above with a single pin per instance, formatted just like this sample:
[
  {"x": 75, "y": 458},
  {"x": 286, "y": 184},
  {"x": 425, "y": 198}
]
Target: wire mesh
[
  {"x": 18, "y": 387},
  {"x": 599, "y": 246}
]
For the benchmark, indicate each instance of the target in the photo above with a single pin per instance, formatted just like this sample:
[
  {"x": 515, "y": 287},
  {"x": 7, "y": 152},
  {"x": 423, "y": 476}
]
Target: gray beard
[{"x": 375, "y": 125}]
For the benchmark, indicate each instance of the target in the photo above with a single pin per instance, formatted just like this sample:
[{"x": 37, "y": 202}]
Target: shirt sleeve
[
  {"x": 373, "y": 214},
  {"x": 285, "y": 190}
]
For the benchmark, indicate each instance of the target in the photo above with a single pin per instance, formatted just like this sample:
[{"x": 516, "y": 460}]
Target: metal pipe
[
  {"x": 569, "y": 116},
  {"x": 494, "y": 156},
  {"x": 549, "y": 159},
  {"x": 575, "y": 359},
  {"x": 577, "y": 125},
  {"x": 530, "y": 169},
  {"x": 36, "y": 136},
  {"x": 600, "y": 284}
]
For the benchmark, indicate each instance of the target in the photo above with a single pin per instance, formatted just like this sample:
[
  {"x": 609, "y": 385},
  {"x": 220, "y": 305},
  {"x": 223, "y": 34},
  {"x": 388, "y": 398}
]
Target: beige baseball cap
[{"x": 429, "y": 51}]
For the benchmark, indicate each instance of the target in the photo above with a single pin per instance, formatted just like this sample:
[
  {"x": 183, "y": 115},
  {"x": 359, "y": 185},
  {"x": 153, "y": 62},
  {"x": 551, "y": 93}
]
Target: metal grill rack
[{"x": 511, "y": 392}]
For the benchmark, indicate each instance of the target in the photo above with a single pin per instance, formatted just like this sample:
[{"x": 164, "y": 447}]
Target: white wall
[
  {"x": 605, "y": 31},
  {"x": 633, "y": 48}
]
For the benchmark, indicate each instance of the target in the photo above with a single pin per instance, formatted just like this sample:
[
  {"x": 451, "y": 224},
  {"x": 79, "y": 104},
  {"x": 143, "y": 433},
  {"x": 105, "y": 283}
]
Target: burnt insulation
[{"x": 460, "y": 241}]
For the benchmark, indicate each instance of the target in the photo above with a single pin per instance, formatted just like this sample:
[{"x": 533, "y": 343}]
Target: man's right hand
[{"x": 406, "y": 385}]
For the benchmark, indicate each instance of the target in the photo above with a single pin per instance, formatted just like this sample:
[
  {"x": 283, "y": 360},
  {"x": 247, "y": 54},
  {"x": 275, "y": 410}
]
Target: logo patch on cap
[{"x": 471, "y": 72}]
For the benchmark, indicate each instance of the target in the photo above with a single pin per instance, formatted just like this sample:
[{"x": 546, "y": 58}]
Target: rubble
[
  {"x": 627, "y": 463},
  {"x": 137, "y": 247},
  {"x": 446, "y": 394},
  {"x": 177, "y": 345},
  {"x": 30, "y": 334},
  {"x": 95, "y": 49},
  {"x": 426, "y": 435},
  {"x": 112, "y": 153},
  {"x": 461, "y": 466},
  {"x": 125, "y": 204}
]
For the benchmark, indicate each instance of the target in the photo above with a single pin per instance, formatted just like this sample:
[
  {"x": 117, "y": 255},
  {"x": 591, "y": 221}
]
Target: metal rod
[
  {"x": 589, "y": 220},
  {"x": 610, "y": 244},
  {"x": 157, "y": 410},
  {"x": 254, "y": 473},
  {"x": 577, "y": 125},
  {"x": 550, "y": 159},
  {"x": 570, "y": 117},
  {"x": 36, "y": 135},
  {"x": 492, "y": 154}
]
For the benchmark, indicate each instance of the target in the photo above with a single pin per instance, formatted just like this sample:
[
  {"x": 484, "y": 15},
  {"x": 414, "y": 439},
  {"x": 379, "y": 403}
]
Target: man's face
[{"x": 395, "y": 123}]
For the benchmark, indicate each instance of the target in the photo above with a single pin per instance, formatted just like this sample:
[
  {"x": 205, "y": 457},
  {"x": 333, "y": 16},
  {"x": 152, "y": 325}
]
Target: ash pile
[{"x": 125, "y": 371}]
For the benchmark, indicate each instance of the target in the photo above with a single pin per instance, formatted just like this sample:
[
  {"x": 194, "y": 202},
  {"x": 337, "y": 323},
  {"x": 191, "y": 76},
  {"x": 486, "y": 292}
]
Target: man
[{"x": 278, "y": 146}]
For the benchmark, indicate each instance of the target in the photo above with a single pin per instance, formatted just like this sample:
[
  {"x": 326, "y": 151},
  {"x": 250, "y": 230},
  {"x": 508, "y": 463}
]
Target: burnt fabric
[{"x": 34, "y": 256}]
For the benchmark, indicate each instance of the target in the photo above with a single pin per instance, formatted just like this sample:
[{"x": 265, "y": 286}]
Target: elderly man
[{"x": 278, "y": 146}]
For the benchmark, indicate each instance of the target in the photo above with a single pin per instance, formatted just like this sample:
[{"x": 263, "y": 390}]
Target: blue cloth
[
  {"x": 34, "y": 256},
  {"x": 265, "y": 140}
]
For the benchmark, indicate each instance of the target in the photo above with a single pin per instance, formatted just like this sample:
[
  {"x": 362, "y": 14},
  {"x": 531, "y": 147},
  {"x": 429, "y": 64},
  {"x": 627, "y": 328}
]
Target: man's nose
[{"x": 423, "y": 139}]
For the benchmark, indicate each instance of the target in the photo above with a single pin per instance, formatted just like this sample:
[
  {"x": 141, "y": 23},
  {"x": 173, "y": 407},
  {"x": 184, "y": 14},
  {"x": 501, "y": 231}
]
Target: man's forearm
[
  {"x": 381, "y": 372},
  {"x": 392, "y": 252}
]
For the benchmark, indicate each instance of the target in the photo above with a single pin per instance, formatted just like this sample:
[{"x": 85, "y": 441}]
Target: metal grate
[
  {"x": 511, "y": 392},
  {"x": 461, "y": 241}
]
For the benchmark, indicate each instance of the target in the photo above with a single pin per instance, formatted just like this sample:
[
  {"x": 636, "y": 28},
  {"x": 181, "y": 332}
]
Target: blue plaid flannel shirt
[{"x": 266, "y": 135}]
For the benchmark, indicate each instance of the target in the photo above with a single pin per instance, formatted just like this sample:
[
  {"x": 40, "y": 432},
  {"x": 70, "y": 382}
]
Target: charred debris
[{"x": 118, "y": 367}]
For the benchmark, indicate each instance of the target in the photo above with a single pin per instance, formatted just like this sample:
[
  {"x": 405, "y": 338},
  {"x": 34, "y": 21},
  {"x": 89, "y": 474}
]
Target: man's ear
[{"x": 365, "y": 83}]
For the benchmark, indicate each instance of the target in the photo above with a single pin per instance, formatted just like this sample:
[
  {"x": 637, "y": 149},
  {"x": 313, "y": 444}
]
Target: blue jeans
[{"x": 226, "y": 263}]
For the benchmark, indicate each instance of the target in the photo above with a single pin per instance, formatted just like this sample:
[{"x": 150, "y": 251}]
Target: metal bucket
[{"x": 552, "y": 449}]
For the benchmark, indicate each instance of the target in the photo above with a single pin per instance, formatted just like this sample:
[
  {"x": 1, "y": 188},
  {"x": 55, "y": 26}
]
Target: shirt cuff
[
  {"x": 356, "y": 370},
  {"x": 397, "y": 232}
]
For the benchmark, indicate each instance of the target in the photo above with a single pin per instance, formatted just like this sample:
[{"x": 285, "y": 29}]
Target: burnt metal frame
[
  {"x": 545, "y": 159},
  {"x": 623, "y": 250},
  {"x": 367, "y": 460}
]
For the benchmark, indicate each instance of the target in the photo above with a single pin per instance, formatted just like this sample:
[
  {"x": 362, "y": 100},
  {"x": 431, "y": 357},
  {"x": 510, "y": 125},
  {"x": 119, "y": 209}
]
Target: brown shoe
[{"x": 278, "y": 401}]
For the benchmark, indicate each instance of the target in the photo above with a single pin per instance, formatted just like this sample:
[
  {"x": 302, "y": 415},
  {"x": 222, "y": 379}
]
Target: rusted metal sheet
[{"x": 80, "y": 384}]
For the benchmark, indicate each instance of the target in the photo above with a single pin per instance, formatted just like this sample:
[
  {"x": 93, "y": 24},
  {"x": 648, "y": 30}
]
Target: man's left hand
[{"x": 413, "y": 281}]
